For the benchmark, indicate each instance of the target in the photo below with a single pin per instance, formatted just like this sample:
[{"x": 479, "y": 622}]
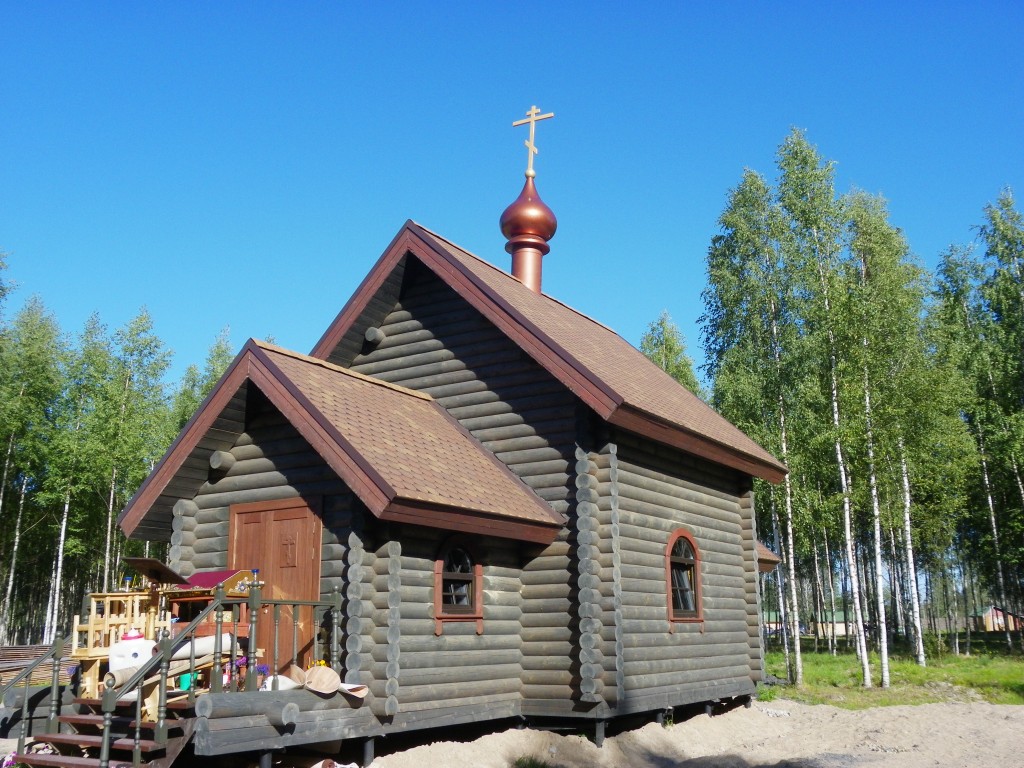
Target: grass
[{"x": 997, "y": 678}]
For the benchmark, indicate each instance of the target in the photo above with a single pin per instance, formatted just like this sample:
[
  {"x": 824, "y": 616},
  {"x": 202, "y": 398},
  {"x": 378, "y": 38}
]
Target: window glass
[
  {"x": 683, "y": 575},
  {"x": 457, "y": 582}
]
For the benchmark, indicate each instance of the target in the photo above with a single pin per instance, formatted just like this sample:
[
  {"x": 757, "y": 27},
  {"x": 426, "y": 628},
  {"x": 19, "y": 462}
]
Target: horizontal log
[
  {"x": 182, "y": 538},
  {"x": 208, "y": 546},
  {"x": 559, "y": 633},
  {"x": 184, "y": 508},
  {"x": 221, "y": 461},
  {"x": 210, "y": 515},
  {"x": 560, "y": 692},
  {"x": 179, "y": 554},
  {"x": 455, "y": 676},
  {"x": 234, "y": 704},
  {"x": 638, "y": 680},
  {"x": 321, "y": 487},
  {"x": 445, "y": 696},
  {"x": 444, "y": 660},
  {"x": 278, "y": 447},
  {"x": 183, "y": 524},
  {"x": 210, "y": 560},
  {"x": 531, "y": 455},
  {"x": 266, "y": 479},
  {"x": 676, "y": 495},
  {"x": 680, "y": 470}
]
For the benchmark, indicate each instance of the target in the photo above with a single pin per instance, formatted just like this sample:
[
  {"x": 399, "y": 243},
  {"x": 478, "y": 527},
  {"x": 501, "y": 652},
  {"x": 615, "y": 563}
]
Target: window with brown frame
[
  {"x": 682, "y": 572},
  {"x": 458, "y": 587}
]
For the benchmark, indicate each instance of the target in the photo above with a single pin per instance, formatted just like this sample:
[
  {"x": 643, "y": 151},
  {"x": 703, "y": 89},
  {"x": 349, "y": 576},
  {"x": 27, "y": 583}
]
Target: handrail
[
  {"x": 55, "y": 653},
  {"x": 168, "y": 646}
]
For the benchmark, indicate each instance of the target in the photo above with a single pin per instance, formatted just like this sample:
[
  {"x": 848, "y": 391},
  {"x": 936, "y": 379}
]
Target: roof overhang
[
  {"x": 255, "y": 366},
  {"x": 535, "y": 342}
]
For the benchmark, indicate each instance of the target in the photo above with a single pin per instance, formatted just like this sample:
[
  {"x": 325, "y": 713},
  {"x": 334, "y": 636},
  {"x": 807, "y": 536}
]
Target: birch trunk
[
  {"x": 883, "y": 632},
  {"x": 896, "y": 579},
  {"x": 995, "y": 536},
  {"x": 819, "y": 598},
  {"x": 783, "y": 612},
  {"x": 110, "y": 528},
  {"x": 915, "y": 600},
  {"x": 113, "y": 482},
  {"x": 831, "y": 598},
  {"x": 844, "y": 484},
  {"x": 968, "y": 602},
  {"x": 796, "y": 674},
  {"x": 9, "y": 591},
  {"x": 58, "y": 573}
]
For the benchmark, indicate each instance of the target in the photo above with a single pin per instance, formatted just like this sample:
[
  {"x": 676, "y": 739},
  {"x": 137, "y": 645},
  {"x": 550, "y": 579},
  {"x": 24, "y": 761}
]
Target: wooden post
[
  {"x": 335, "y": 628},
  {"x": 52, "y": 724},
  {"x": 368, "y": 751},
  {"x": 217, "y": 683},
  {"x": 160, "y": 732},
  {"x": 255, "y": 603}
]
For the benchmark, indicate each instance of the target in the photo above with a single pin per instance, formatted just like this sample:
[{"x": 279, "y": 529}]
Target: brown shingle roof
[
  {"x": 410, "y": 441},
  {"x": 608, "y": 373},
  {"x": 398, "y": 450}
]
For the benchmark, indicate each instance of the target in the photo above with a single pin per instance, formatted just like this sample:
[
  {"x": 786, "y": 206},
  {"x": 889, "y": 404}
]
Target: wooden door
[{"x": 281, "y": 539}]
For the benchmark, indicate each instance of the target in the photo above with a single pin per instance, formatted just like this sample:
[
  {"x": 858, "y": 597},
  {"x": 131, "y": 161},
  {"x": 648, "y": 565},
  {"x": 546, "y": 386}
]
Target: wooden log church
[{"x": 519, "y": 513}]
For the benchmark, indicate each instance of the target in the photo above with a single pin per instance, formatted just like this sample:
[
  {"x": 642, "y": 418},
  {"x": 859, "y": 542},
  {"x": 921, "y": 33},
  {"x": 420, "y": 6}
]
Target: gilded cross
[{"x": 532, "y": 117}]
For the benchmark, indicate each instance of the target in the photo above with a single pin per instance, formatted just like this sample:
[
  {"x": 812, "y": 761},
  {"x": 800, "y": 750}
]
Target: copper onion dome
[{"x": 528, "y": 223}]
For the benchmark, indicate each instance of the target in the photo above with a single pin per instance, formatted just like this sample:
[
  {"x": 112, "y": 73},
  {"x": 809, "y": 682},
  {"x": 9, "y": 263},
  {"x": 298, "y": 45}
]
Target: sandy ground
[{"x": 779, "y": 734}]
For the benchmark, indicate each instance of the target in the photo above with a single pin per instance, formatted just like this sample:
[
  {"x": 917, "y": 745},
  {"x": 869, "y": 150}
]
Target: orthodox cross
[{"x": 532, "y": 117}]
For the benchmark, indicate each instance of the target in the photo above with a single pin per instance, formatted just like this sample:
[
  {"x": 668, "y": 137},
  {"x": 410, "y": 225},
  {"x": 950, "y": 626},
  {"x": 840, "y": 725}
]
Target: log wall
[
  {"x": 269, "y": 460},
  {"x": 419, "y": 677},
  {"x": 649, "y": 491},
  {"x": 436, "y": 343}
]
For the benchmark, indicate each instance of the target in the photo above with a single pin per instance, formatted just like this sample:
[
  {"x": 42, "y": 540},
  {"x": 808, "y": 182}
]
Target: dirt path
[{"x": 779, "y": 734}]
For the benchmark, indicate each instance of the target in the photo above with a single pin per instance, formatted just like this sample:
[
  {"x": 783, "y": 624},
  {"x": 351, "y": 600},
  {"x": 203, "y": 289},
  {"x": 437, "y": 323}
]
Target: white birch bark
[
  {"x": 110, "y": 527},
  {"x": 844, "y": 484},
  {"x": 58, "y": 573},
  {"x": 783, "y": 609},
  {"x": 995, "y": 536},
  {"x": 9, "y": 590},
  {"x": 883, "y": 633},
  {"x": 831, "y": 598},
  {"x": 908, "y": 543}
]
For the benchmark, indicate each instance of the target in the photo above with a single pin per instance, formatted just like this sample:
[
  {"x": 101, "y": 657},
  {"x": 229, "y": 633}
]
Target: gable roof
[
  {"x": 399, "y": 451},
  {"x": 598, "y": 365}
]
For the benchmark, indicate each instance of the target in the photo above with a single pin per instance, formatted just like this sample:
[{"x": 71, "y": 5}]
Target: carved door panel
[{"x": 282, "y": 539}]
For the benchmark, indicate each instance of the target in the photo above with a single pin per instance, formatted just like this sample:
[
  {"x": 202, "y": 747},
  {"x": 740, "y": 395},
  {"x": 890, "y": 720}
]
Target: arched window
[
  {"x": 458, "y": 587},
  {"x": 682, "y": 573}
]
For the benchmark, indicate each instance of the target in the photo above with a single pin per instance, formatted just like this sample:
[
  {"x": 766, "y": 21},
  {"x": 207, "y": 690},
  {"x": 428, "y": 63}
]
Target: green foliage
[
  {"x": 995, "y": 678},
  {"x": 82, "y": 422},
  {"x": 663, "y": 344}
]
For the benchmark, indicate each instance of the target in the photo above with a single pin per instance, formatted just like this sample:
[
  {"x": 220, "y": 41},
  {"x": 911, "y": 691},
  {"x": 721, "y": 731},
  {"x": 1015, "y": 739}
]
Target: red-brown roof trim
[
  {"x": 561, "y": 363},
  {"x": 256, "y": 364}
]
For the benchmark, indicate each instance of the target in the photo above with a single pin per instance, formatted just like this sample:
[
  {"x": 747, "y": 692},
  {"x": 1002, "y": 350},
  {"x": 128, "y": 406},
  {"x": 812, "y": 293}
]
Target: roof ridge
[
  {"x": 265, "y": 345},
  {"x": 503, "y": 273}
]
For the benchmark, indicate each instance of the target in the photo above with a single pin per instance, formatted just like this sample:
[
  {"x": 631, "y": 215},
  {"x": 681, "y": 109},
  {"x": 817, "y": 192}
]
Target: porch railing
[
  {"x": 119, "y": 686},
  {"x": 54, "y": 656}
]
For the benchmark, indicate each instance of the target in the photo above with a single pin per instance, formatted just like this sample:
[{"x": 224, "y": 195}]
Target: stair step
[
  {"x": 66, "y": 761},
  {"x": 96, "y": 740},
  {"x": 178, "y": 705},
  {"x": 118, "y": 721}
]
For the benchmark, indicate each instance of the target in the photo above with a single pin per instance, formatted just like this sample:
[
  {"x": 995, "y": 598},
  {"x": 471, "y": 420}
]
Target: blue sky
[{"x": 244, "y": 164}]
